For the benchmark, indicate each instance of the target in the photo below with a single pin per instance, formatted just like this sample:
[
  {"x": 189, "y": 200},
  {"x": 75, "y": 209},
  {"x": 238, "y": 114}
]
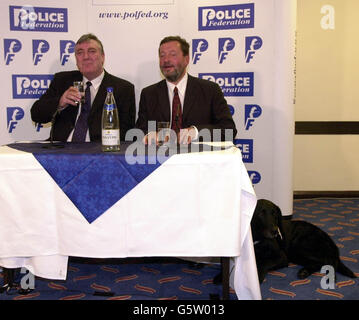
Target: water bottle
[{"x": 110, "y": 124}]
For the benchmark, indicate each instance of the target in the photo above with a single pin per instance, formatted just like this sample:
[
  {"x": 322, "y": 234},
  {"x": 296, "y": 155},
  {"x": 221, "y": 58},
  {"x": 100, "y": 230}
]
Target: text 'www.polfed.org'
[{"x": 134, "y": 15}]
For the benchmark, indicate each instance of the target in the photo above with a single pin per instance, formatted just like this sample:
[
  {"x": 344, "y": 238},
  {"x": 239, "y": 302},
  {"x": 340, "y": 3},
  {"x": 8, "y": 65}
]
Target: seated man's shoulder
[
  {"x": 204, "y": 85},
  {"x": 155, "y": 86},
  {"x": 204, "y": 82},
  {"x": 68, "y": 74}
]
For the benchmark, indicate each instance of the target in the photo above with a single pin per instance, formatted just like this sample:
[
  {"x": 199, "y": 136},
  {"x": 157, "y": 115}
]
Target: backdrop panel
[{"x": 247, "y": 47}]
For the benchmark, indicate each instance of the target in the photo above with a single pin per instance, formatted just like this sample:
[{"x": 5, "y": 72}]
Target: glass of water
[
  {"x": 79, "y": 85},
  {"x": 163, "y": 133}
]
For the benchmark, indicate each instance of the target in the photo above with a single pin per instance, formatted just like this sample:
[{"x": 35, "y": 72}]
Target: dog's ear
[{"x": 259, "y": 207}]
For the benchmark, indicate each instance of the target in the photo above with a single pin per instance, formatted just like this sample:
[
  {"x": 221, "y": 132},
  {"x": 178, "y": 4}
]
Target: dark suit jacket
[
  {"x": 44, "y": 108},
  {"x": 204, "y": 106}
]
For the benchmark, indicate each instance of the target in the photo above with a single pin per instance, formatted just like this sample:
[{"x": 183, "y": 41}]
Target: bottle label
[
  {"x": 110, "y": 137},
  {"x": 109, "y": 107}
]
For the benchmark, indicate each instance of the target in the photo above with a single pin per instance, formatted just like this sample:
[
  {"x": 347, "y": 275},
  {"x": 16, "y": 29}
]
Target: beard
[{"x": 174, "y": 75}]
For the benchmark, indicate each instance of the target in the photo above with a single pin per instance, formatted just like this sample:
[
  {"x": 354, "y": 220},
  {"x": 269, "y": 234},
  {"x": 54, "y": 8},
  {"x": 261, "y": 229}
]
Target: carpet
[{"x": 176, "y": 279}]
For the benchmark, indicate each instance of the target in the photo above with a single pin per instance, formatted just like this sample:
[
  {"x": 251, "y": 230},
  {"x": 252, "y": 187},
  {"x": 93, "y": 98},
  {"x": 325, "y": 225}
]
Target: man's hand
[
  {"x": 187, "y": 135},
  {"x": 150, "y": 138},
  {"x": 71, "y": 96}
]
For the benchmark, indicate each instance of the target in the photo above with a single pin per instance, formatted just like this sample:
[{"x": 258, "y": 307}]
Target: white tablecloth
[{"x": 208, "y": 216}]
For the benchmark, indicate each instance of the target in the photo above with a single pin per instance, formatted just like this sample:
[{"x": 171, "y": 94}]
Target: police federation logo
[
  {"x": 29, "y": 18},
  {"x": 247, "y": 148},
  {"x": 225, "y": 45},
  {"x": 11, "y": 48},
  {"x": 252, "y": 45},
  {"x": 237, "y": 16},
  {"x": 14, "y": 115},
  {"x": 67, "y": 47},
  {"x": 255, "y": 177},
  {"x": 251, "y": 113},
  {"x": 39, "y": 48},
  {"x": 233, "y": 84},
  {"x": 199, "y": 46},
  {"x": 29, "y": 86}
]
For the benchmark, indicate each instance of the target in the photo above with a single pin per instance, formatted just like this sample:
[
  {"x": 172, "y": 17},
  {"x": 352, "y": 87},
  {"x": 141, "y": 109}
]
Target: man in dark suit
[
  {"x": 204, "y": 106},
  {"x": 62, "y": 99}
]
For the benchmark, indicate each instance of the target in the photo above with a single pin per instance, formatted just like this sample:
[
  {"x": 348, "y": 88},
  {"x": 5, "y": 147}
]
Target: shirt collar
[
  {"x": 95, "y": 82},
  {"x": 181, "y": 86}
]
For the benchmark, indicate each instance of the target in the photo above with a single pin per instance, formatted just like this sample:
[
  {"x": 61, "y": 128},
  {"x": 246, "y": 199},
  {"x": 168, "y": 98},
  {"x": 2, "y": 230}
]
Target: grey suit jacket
[
  {"x": 44, "y": 108},
  {"x": 204, "y": 106}
]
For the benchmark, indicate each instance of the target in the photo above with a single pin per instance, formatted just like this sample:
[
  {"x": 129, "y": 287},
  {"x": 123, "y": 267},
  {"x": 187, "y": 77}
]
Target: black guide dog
[{"x": 278, "y": 241}]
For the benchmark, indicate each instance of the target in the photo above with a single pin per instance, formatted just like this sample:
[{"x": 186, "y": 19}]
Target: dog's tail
[{"x": 344, "y": 270}]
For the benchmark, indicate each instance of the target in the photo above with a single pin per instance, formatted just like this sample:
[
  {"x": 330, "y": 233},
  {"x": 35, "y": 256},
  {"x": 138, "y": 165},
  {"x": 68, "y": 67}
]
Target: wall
[{"x": 327, "y": 97}]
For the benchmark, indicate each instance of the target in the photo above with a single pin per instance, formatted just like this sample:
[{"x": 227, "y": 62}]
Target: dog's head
[{"x": 266, "y": 221}]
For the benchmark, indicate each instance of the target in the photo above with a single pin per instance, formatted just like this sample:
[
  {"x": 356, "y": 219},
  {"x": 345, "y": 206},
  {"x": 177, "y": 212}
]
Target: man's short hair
[
  {"x": 88, "y": 37},
  {"x": 183, "y": 43}
]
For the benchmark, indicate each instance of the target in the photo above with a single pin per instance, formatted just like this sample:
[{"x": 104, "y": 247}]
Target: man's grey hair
[{"x": 88, "y": 37}]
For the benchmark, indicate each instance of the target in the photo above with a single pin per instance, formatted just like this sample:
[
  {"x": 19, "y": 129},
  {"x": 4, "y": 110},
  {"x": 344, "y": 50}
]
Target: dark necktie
[
  {"x": 81, "y": 124},
  {"x": 176, "y": 112}
]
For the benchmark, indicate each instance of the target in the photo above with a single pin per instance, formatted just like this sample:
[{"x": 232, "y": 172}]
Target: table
[{"x": 40, "y": 227}]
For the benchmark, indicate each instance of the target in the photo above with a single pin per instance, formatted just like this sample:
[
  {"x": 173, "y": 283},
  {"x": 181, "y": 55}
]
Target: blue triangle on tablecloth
[{"x": 93, "y": 182}]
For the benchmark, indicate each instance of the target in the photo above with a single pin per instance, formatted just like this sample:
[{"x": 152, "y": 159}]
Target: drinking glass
[
  {"x": 80, "y": 86},
  {"x": 163, "y": 133}
]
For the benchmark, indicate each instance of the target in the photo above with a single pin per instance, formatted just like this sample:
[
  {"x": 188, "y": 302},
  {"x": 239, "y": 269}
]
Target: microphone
[
  {"x": 52, "y": 145},
  {"x": 52, "y": 125}
]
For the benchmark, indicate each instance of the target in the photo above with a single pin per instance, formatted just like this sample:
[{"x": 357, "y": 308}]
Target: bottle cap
[{"x": 109, "y": 89}]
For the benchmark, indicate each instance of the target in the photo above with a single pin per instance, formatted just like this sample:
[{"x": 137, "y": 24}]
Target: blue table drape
[{"x": 93, "y": 180}]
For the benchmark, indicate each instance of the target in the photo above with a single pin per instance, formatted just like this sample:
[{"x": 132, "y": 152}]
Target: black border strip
[
  {"x": 327, "y": 127},
  {"x": 325, "y": 194}
]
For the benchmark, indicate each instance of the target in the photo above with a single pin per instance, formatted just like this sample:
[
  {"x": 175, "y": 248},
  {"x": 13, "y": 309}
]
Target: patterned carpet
[
  {"x": 340, "y": 219},
  {"x": 125, "y": 279},
  {"x": 174, "y": 279}
]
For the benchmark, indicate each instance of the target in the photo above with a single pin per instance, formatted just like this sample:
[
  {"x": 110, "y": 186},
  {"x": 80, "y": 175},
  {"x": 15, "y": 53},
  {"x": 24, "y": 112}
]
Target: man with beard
[{"x": 190, "y": 104}]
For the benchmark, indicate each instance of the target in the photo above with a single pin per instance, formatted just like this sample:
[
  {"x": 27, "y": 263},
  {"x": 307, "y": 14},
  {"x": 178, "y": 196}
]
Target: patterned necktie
[
  {"x": 81, "y": 124},
  {"x": 176, "y": 112}
]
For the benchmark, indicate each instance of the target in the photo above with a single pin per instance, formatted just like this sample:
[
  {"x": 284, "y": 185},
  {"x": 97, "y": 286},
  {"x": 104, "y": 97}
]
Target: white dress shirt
[
  {"x": 93, "y": 90},
  {"x": 181, "y": 86}
]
